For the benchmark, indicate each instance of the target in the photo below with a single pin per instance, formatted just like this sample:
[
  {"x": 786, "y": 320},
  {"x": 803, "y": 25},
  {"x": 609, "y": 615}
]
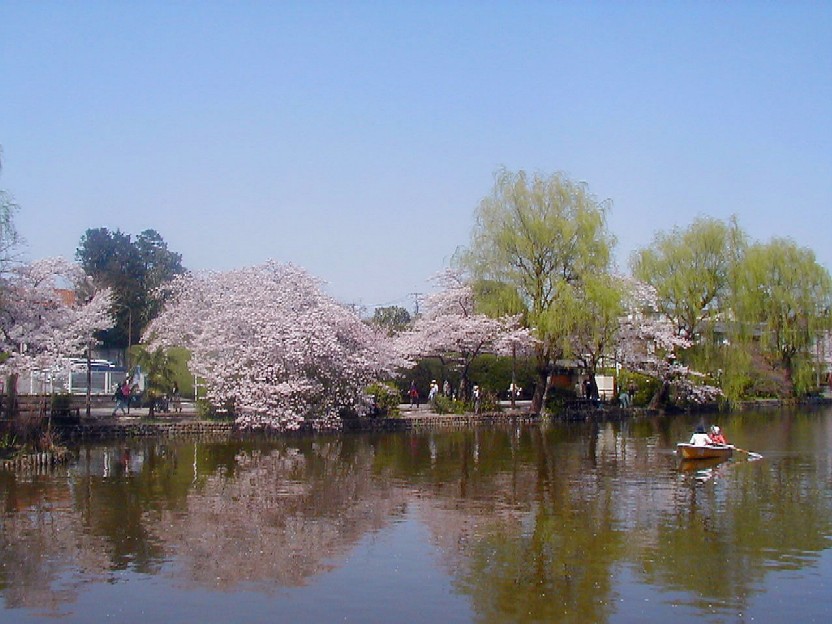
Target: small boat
[
  {"x": 709, "y": 451},
  {"x": 700, "y": 466}
]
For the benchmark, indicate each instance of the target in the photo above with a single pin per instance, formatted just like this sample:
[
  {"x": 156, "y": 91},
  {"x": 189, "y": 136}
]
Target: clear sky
[{"x": 355, "y": 139}]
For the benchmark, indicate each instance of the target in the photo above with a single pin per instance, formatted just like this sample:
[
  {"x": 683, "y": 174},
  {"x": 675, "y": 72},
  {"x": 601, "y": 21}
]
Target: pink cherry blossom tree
[
  {"x": 451, "y": 330},
  {"x": 49, "y": 313},
  {"x": 269, "y": 343},
  {"x": 649, "y": 343}
]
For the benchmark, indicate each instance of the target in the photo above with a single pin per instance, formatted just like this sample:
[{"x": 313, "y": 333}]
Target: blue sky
[{"x": 355, "y": 139}]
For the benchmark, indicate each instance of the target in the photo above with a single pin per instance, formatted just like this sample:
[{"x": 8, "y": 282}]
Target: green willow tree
[
  {"x": 544, "y": 237},
  {"x": 783, "y": 299},
  {"x": 597, "y": 309},
  {"x": 690, "y": 270}
]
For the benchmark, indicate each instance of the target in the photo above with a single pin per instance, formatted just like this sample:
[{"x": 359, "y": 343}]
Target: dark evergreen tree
[{"x": 136, "y": 271}]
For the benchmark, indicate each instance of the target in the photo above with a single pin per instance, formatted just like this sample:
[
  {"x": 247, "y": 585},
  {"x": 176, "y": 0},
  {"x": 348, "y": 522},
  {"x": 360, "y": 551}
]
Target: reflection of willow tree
[
  {"x": 551, "y": 565},
  {"x": 530, "y": 522},
  {"x": 727, "y": 547},
  {"x": 525, "y": 541},
  {"x": 285, "y": 517}
]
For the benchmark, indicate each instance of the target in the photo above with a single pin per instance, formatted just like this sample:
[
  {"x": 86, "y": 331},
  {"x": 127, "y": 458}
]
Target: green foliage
[
  {"x": 424, "y": 371},
  {"x": 392, "y": 319},
  {"x": 496, "y": 299},
  {"x": 9, "y": 238},
  {"x": 8, "y": 442},
  {"x": 645, "y": 387},
  {"x": 543, "y": 236},
  {"x": 489, "y": 402},
  {"x": 206, "y": 411},
  {"x": 783, "y": 299},
  {"x": 490, "y": 372},
  {"x": 178, "y": 360},
  {"x": 387, "y": 397},
  {"x": 753, "y": 312},
  {"x": 158, "y": 370},
  {"x": 558, "y": 398},
  {"x": 596, "y": 311},
  {"x": 691, "y": 269},
  {"x": 447, "y": 405},
  {"x": 493, "y": 373},
  {"x": 136, "y": 272}
]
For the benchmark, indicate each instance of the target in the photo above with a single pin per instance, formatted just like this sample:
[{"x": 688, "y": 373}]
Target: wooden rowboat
[{"x": 710, "y": 451}]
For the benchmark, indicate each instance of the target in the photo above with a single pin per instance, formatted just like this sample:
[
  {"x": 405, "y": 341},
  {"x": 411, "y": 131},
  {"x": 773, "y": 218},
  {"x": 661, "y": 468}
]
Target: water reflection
[{"x": 550, "y": 523}]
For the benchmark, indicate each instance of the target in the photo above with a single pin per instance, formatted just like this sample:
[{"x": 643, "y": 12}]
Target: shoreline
[
  {"x": 103, "y": 426},
  {"x": 137, "y": 424}
]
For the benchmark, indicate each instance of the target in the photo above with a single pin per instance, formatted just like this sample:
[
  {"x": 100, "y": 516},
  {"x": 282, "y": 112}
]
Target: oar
[{"x": 751, "y": 455}]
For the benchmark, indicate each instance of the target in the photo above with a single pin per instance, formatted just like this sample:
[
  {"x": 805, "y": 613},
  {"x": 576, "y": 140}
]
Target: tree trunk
[
  {"x": 660, "y": 397},
  {"x": 541, "y": 389},
  {"x": 11, "y": 397}
]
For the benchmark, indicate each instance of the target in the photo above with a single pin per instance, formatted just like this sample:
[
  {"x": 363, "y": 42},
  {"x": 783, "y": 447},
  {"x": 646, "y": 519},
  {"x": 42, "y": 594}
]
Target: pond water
[{"x": 550, "y": 523}]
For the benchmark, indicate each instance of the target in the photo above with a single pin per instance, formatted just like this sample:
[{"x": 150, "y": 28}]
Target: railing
[{"x": 102, "y": 382}]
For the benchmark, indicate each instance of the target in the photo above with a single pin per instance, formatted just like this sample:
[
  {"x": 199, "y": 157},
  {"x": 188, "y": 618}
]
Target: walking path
[
  {"x": 425, "y": 409},
  {"x": 189, "y": 412},
  {"x": 137, "y": 413}
]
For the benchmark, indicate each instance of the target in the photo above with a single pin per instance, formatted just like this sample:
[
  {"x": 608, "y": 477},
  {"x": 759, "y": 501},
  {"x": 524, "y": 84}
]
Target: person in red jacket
[{"x": 716, "y": 436}]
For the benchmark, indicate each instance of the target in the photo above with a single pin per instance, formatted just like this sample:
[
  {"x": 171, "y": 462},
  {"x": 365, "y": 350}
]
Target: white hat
[{"x": 715, "y": 429}]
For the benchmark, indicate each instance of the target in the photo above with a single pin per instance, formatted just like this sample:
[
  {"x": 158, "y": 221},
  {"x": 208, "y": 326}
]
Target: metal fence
[{"x": 103, "y": 380}]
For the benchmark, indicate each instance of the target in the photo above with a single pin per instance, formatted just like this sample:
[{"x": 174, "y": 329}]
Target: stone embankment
[
  {"x": 119, "y": 428},
  {"x": 138, "y": 428}
]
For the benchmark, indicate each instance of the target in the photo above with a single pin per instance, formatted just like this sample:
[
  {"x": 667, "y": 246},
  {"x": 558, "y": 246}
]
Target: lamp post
[{"x": 89, "y": 378}]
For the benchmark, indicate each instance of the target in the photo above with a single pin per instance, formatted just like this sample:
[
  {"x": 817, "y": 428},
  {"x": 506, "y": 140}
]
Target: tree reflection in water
[{"x": 545, "y": 523}]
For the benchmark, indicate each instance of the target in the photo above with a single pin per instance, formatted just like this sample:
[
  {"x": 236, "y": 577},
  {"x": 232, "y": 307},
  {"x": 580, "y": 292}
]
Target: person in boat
[
  {"x": 716, "y": 436},
  {"x": 700, "y": 438}
]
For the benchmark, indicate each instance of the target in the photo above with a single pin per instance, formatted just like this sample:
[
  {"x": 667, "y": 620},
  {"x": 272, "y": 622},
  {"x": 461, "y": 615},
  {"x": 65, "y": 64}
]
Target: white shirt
[{"x": 700, "y": 439}]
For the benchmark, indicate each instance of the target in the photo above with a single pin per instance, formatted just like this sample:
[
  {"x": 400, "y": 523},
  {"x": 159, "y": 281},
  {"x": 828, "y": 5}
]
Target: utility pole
[{"x": 416, "y": 296}]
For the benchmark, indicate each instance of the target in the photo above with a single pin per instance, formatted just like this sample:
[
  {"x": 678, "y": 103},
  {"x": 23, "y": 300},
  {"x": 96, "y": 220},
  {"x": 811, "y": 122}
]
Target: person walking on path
[
  {"x": 414, "y": 395},
  {"x": 434, "y": 390},
  {"x": 176, "y": 398},
  {"x": 624, "y": 398},
  {"x": 120, "y": 398}
]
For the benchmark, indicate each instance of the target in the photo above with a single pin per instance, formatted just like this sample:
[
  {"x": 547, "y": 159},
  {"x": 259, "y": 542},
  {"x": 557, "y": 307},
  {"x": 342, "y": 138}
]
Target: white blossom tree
[
  {"x": 45, "y": 319},
  {"x": 451, "y": 330},
  {"x": 268, "y": 342},
  {"x": 649, "y": 343}
]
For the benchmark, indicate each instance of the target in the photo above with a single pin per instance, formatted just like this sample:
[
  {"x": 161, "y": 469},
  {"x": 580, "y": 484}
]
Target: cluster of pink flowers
[
  {"x": 451, "y": 329},
  {"x": 44, "y": 323},
  {"x": 268, "y": 341},
  {"x": 649, "y": 343}
]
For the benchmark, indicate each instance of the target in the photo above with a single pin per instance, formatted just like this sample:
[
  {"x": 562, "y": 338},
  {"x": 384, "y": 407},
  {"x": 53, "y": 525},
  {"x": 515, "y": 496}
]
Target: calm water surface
[{"x": 556, "y": 523}]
